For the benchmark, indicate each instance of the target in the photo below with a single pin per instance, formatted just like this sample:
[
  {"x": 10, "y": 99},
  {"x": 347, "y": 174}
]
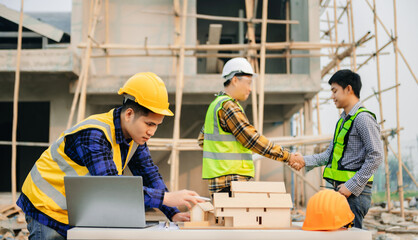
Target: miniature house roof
[
  {"x": 258, "y": 187},
  {"x": 206, "y": 206},
  {"x": 253, "y": 200},
  {"x": 31, "y": 23}
]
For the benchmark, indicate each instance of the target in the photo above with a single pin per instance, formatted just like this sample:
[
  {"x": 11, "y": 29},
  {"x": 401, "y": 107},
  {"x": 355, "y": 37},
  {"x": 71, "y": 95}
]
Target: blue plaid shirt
[{"x": 90, "y": 148}]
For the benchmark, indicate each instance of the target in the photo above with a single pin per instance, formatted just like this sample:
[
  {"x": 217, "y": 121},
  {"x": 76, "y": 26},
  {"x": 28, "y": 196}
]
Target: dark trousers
[
  {"x": 359, "y": 205},
  {"x": 39, "y": 231}
]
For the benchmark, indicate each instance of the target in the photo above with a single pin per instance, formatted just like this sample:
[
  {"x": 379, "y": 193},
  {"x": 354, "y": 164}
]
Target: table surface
[{"x": 173, "y": 232}]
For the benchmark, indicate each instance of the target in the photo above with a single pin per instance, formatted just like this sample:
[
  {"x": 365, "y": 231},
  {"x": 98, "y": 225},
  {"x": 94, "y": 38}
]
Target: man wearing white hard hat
[{"x": 227, "y": 137}]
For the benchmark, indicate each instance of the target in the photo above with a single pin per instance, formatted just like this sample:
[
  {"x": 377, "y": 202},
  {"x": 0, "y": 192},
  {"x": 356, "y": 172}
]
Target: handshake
[{"x": 296, "y": 161}]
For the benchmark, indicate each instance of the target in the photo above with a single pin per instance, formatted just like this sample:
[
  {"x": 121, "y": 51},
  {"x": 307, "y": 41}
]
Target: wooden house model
[{"x": 252, "y": 205}]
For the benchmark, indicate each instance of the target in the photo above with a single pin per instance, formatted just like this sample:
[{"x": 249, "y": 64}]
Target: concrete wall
[
  {"x": 39, "y": 60},
  {"x": 131, "y": 22},
  {"x": 43, "y": 87}
]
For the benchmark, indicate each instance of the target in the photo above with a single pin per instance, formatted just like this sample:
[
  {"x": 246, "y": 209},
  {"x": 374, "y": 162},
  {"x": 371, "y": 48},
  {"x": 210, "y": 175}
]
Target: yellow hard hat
[
  {"x": 327, "y": 210},
  {"x": 149, "y": 91}
]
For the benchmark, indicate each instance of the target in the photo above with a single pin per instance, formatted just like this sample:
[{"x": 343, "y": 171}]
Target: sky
[
  {"x": 363, "y": 22},
  {"x": 39, "y": 5}
]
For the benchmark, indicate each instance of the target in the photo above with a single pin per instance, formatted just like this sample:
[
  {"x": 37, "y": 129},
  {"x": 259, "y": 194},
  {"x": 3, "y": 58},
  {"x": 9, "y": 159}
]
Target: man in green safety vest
[
  {"x": 355, "y": 152},
  {"x": 227, "y": 137}
]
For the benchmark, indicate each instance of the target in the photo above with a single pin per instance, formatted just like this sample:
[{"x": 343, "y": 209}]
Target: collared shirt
[
  {"x": 364, "y": 150},
  {"x": 233, "y": 120},
  {"x": 91, "y": 148}
]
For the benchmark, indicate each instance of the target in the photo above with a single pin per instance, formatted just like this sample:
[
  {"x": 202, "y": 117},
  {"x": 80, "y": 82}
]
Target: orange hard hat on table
[
  {"x": 327, "y": 210},
  {"x": 149, "y": 91}
]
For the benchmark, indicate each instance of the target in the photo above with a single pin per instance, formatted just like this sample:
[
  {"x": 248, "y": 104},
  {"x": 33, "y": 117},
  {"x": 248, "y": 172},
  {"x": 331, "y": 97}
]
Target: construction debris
[
  {"x": 12, "y": 225},
  {"x": 391, "y": 225}
]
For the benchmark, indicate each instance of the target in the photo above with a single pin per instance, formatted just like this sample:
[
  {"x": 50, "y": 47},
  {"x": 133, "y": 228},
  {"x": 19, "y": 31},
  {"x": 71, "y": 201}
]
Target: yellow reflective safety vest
[
  {"x": 44, "y": 185},
  {"x": 222, "y": 153},
  {"x": 334, "y": 171}
]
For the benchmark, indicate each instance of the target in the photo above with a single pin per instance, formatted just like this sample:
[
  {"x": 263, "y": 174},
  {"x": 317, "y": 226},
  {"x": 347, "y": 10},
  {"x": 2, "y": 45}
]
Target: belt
[{"x": 335, "y": 184}]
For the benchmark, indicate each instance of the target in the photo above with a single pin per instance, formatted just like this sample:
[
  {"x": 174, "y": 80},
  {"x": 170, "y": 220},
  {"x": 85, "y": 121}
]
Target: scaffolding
[{"x": 338, "y": 51}]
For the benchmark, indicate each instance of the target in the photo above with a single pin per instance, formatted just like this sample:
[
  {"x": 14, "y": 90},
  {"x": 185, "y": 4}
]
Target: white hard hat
[{"x": 236, "y": 65}]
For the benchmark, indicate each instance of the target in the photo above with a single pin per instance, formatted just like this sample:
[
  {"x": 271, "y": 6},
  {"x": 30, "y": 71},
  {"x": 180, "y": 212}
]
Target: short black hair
[
  {"x": 347, "y": 77},
  {"x": 138, "y": 109},
  {"x": 227, "y": 82}
]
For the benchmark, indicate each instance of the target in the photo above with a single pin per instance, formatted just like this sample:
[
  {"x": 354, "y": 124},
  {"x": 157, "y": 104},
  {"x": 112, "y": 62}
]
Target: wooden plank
[
  {"x": 107, "y": 34},
  {"x": 398, "y": 126},
  {"x": 217, "y": 55},
  {"x": 238, "y": 19},
  {"x": 214, "y": 37},
  {"x": 287, "y": 38},
  {"x": 336, "y": 35},
  {"x": 32, "y": 24},
  {"x": 336, "y": 61},
  {"x": 258, "y": 187},
  {"x": 86, "y": 61},
  {"x": 15, "y": 103},
  {"x": 382, "y": 122},
  {"x": 250, "y": 9},
  {"x": 353, "y": 36},
  {"x": 174, "y": 160},
  {"x": 231, "y": 47}
]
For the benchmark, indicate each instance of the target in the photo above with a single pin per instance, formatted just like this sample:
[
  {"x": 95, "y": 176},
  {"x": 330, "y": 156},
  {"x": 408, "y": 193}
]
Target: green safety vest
[
  {"x": 222, "y": 153},
  {"x": 333, "y": 171}
]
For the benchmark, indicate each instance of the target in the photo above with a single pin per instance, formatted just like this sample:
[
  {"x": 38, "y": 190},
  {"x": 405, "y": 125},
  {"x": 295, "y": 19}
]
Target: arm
[
  {"x": 369, "y": 133},
  {"x": 201, "y": 136},
  {"x": 233, "y": 120},
  {"x": 91, "y": 149},
  {"x": 319, "y": 159},
  {"x": 141, "y": 164}
]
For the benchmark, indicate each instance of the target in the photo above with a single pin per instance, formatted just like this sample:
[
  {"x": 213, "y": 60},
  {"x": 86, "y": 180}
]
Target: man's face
[
  {"x": 141, "y": 128},
  {"x": 243, "y": 86},
  {"x": 339, "y": 95}
]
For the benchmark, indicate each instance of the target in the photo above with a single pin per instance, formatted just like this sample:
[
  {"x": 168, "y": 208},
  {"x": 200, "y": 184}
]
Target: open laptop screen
[{"x": 105, "y": 201}]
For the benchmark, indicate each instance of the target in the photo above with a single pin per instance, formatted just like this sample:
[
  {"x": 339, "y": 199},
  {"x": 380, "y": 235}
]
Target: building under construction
[{"x": 71, "y": 66}]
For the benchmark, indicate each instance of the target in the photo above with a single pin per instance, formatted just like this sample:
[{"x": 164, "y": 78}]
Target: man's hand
[
  {"x": 296, "y": 161},
  {"x": 181, "y": 217},
  {"x": 343, "y": 190},
  {"x": 180, "y": 198}
]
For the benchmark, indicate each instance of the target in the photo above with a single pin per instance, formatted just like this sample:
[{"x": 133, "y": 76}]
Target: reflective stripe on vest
[
  {"x": 44, "y": 185},
  {"x": 334, "y": 172},
  {"x": 222, "y": 153}
]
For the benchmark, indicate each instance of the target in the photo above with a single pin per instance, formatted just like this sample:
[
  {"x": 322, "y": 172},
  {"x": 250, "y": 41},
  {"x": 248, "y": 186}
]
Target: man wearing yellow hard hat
[{"x": 101, "y": 145}]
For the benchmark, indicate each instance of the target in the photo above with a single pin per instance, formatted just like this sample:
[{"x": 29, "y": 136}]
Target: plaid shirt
[
  {"x": 90, "y": 148},
  {"x": 232, "y": 119},
  {"x": 219, "y": 183},
  {"x": 364, "y": 150}
]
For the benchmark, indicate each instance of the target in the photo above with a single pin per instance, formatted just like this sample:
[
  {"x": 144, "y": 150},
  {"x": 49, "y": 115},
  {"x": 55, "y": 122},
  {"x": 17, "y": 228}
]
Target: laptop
[{"x": 105, "y": 201}]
